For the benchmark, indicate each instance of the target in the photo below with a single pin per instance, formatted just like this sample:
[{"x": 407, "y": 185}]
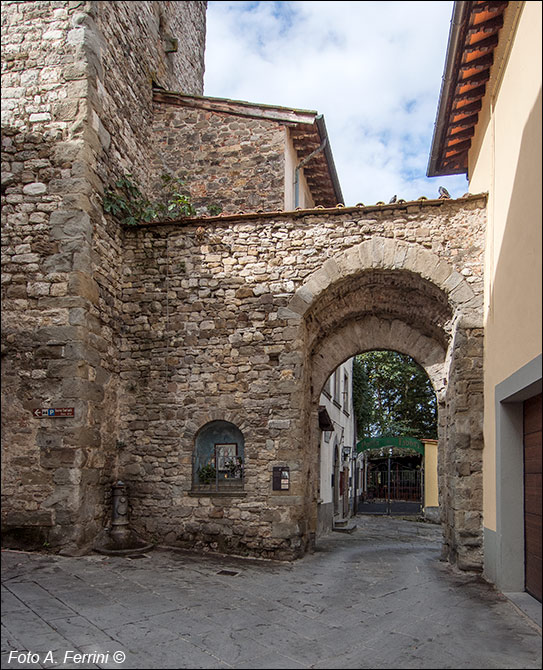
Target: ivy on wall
[{"x": 126, "y": 202}]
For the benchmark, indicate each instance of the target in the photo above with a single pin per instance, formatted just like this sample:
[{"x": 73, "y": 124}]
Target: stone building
[
  {"x": 77, "y": 101},
  {"x": 172, "y": 338},
  {"x": 337, "y": 449},
  {"x": 242, "y": 156}
]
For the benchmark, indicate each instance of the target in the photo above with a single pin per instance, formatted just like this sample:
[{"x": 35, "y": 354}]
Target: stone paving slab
[{"x": 378, "y": 598}]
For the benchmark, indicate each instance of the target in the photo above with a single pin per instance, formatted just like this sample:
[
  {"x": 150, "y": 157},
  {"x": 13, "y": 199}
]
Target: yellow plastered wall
[
  {"x": 431, "y": 496},
  {"x": 505, "y": 161}
]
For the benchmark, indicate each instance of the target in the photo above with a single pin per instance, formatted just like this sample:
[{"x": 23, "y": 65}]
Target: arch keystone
[
  {"x": 399, "y": 255},
  {"x": 389, "y": 252},
  {"x": 377, "y": 252}
]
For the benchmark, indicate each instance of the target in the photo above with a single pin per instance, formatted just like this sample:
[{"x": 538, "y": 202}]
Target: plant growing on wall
[
  {"x": 177, "y": 201},
  {"x": 126, "y": 202},
  {"x": 214, "y": 210}
]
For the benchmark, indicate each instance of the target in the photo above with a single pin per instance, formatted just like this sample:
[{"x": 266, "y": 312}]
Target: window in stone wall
[
  {"x": 346, "y": 395},
  {"x": 219, "y": 458},
  {"x": 337, "y": 381}
]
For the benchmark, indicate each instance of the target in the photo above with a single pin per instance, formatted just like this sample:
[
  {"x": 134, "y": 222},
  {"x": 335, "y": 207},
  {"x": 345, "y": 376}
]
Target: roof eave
[
  {"x": 329, "y": 159},
  {"x": 459, "y": 21},
  {"x": 235, "y": 107}
]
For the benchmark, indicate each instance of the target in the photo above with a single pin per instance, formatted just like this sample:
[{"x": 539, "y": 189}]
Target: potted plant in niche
[{"x": 207, "y": 475}]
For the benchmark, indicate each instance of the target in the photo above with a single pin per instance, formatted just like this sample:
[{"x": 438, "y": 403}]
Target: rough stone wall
[
  {"x": 460, "y": 468},
  {"x": 235, "y": 162},
  {"x": 210, "y": 334},
  {"x": 47, "y": 289},
  {"x": 77, "y": 103},
  {"x": 129, "y": 42}
]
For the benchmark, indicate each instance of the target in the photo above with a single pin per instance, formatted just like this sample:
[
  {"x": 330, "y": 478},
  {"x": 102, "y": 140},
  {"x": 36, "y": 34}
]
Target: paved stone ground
[
  {"x": 379, "y": 598},
  {"x": 396, "y": 507}
]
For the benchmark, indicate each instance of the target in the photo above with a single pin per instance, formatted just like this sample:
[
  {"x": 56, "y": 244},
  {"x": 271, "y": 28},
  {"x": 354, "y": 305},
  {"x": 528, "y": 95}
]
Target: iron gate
[{"x": 405, "y": 485}]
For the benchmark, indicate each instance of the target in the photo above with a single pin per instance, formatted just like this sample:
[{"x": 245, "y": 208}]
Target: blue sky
[{"x": 374, "y": 69}]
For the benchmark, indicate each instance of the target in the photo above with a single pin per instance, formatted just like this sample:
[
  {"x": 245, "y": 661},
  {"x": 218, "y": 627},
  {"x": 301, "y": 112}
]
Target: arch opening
[
  {"x": 399, "y": 309},
  {"x": 379, "y": 405}
]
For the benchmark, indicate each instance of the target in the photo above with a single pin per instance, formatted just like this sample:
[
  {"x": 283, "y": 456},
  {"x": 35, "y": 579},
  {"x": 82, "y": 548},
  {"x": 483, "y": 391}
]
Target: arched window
[{"x": 219, "y": 457}]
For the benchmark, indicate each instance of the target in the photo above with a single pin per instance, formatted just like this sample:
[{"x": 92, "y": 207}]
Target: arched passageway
[
  {"x": 373, "y": 409},
  {"x": 385, "y": 294}
]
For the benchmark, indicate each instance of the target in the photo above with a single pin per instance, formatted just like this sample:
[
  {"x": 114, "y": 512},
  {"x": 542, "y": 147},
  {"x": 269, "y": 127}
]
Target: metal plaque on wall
[{"x": 281, "y": 478}]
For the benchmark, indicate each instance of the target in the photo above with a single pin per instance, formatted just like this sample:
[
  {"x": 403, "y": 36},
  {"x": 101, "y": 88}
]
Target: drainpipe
[{"x": 300, "y": 165}]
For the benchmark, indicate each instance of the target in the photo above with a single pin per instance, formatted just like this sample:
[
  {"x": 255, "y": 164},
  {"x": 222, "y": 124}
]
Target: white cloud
[{"x": 373, "y": 69}]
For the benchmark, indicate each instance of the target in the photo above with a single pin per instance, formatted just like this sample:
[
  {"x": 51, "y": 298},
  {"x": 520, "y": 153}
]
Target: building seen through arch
[{"x": 337, "y": 449}]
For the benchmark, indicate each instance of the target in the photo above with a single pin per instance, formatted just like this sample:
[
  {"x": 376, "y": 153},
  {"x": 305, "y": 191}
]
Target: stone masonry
[
  {"x": 243, "y": 319},
  {"x": 151, "y": 332},
  {"x": 76, "y": 110},
  {"x": 216, "y": 152}
]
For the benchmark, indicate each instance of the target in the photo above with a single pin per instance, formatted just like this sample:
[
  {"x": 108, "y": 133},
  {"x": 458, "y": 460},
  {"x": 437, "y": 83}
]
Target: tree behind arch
[{"x": 392, "y": 395}]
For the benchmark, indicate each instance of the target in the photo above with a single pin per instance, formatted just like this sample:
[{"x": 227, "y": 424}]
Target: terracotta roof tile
[
  {"x": 423, "y": 201},
  {"x": 473, "y": 39}
]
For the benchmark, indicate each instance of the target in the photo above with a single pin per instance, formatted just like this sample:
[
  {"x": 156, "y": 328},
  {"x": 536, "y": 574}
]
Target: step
[{"x": 344, "y": 527}]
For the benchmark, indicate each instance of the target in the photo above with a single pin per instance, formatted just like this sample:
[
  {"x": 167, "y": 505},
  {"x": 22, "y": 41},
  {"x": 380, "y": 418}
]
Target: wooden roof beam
[
  {"x": 456, "y": 162},
  {"x": 492, "y": 25},
  {"x": 466, "y": 109},
  {"x": 484, "y": 62},
  {"x": 465, "y": 123},
  {"x": 474, "y": 79},
  {"x": 473, "y": 94},
  {"x": 491, "y": 7},
  {"x": 452, "y": 149},
  {"x": 461, "y": 134},
  {"x": 486, "y": 44}
]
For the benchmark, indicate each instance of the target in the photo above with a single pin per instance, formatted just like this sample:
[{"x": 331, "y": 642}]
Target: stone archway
[{"x": 389, "y": 294}]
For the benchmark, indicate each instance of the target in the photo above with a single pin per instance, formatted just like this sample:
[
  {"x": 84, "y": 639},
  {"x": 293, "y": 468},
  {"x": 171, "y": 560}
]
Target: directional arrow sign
[{"x": 54, "y": 412}]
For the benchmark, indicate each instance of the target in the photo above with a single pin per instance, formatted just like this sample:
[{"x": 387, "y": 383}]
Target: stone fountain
[{"x": 121, "y": 540}]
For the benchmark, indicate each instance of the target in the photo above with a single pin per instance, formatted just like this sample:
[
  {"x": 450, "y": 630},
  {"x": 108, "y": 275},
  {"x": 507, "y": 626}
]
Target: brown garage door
[{"x": 532, "y": 494}]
